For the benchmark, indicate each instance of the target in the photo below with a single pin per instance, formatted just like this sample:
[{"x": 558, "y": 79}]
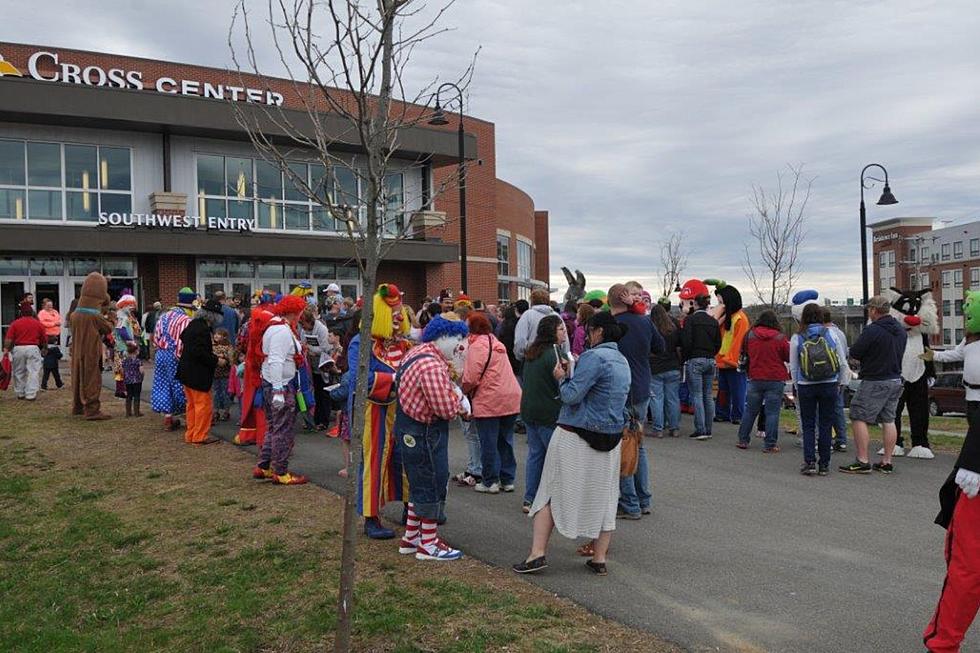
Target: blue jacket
[
  {"x": 595, "y": 397},
  {"x": 230, "y": 321}
]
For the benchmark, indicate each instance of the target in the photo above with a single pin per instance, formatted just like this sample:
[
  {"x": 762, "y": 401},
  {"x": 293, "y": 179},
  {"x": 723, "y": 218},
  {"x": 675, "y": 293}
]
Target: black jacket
[
  {"x": 700, "y": 336},
  {"x": 969, "y": 458},
  {"x": 880, "y": 348},
  {"x": 669, "y": 359},
  {"x": 197, "y": 361}
]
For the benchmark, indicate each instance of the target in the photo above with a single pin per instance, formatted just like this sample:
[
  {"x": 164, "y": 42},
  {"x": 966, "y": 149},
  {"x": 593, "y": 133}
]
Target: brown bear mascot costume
[{"x": 88, "y": 328}]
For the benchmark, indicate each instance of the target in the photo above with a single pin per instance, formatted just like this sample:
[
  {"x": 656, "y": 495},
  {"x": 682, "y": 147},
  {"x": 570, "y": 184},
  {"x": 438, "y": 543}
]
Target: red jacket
[{"x": 768, "y": 352}]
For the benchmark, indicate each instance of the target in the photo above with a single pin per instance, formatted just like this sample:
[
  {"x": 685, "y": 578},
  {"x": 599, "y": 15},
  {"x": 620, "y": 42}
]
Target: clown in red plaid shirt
[{"x": 427, "y": 400}]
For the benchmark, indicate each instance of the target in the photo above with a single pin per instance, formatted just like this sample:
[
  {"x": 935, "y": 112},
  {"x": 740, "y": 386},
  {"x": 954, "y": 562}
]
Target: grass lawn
[
  {"x": 939, "y": 442},
  {"x": 115, "y": 536}
]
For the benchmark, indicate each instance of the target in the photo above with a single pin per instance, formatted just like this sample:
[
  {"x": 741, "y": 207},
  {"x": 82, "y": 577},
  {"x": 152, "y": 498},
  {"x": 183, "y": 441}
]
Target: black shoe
[
  {"x": 700, "y": 436},
  {"x": 808, "y": 469},
  {"x": 531, "y": 566},
  {"x": 646, "y": 511},
  {"x": 884, "y": 468},
  {"x": 719, "y": 419},
  {"x": 857, "y": 467},
  {"x": 823, "y": 470},
  {"x": 840, "y": 446},
  {"x": 622, "y": 514},
  {"x": 736, "y": 422}
]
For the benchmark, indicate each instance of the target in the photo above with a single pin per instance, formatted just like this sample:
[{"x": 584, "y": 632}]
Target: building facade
[
  {"x": 141, "y": 169},
  {"x": 910, "y": 254}
]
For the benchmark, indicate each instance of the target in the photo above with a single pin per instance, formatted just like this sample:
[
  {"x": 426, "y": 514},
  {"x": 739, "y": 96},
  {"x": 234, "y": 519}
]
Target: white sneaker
[
  {"x": 493, "y": 489},
  {"x": 924, "y": 453},
  {"x": 897, "y": 452},
  {"x": 760, "y": 434},
  {"x": 440, "y": 552},
  {"x": 509, "y": 487}
]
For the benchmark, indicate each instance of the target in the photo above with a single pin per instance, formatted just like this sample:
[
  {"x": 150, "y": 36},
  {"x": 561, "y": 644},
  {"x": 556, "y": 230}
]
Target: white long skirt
[{"x": 581, "y": 484}]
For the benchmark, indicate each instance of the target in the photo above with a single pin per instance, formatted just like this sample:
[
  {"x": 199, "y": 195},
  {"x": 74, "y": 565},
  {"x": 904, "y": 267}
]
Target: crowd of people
[{"x": 572, "y": 378}]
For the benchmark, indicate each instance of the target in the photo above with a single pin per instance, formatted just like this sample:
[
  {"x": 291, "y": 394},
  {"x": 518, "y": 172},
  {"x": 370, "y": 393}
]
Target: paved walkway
[{"x": 741, "y": 553}]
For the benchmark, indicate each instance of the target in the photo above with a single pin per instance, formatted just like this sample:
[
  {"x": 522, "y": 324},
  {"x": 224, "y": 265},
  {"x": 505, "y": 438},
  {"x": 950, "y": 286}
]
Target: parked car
[{"x": 947, "y": 395}]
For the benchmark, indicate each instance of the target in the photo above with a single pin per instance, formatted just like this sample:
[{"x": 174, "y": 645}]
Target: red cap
[{"x": 693, "y": 288}]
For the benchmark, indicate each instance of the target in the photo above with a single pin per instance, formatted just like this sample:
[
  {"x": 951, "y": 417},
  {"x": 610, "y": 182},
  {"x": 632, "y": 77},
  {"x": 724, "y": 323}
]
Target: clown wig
[
  {"x": 440, "y": 327},
  {"x": 387, "y": 300},
  {"x": 290, "y": 304}
]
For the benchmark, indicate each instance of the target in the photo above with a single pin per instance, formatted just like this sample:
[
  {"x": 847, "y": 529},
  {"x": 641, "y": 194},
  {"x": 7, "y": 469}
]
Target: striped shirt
[
  {"x": 171, "y": 324},
  {"x": 425, "y": 391}
]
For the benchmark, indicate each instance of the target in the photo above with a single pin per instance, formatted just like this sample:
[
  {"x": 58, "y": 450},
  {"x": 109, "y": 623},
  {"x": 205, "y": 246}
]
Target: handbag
[
  {"x": 472, "y": 393},
  {"x": 5, "y": 371},
  {"x": 629, "y": 447}
]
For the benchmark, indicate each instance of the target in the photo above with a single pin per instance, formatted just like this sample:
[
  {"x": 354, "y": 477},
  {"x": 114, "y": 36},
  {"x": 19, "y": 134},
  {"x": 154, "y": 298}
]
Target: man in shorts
[{"x": 879, "y": 349}]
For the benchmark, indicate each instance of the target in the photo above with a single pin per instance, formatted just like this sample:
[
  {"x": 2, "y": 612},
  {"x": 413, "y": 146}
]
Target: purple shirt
[{"x": 132, "y": 369}]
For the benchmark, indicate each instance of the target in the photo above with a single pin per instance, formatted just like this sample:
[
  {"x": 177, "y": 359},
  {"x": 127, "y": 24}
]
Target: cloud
[{"x": 630, "y": 120}]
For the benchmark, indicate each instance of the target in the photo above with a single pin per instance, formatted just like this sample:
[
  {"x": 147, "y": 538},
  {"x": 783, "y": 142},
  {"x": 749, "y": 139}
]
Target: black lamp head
[
  {"x": 438, "y": 116},
  {"x": 887, "y": 197}
]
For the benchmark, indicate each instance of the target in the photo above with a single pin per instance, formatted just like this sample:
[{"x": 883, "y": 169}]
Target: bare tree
[
  {"x": 346, "y": 61},
  {"x": 673, "y": 260},
  {"x": 778, "y": 227}
]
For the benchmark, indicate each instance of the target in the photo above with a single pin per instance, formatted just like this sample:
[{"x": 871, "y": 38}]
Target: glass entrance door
[{"x": 11, "y": 292}]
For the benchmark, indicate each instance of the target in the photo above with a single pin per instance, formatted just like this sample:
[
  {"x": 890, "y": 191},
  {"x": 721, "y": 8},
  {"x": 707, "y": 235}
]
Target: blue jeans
[
  {"x": 771, "y": 393},
  {"x": 474, "y": 466},
  {"x": 840, "y": 421},
  {"x": 425, "y": 458},
  {"x": 700, "y": 374},
  {"x": 497, "y": 444},
  {"x": 818, "y": 404},
  {"x": 538, "y": 438},
  {"x": 220, "y": 398},
  {"x": 634, "y": 491},
  {"x": 731, "y": 395},
  {"x": 665, "y": 400}
]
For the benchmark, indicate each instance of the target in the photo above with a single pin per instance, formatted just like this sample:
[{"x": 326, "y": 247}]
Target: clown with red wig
[
  {"x": 380, "y": 477},
  {"x": 282, "y": 358},
  {"x": 249, "y": 342}
]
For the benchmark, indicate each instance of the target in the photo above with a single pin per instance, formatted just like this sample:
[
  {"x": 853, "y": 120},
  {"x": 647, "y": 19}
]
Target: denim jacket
[{"x": 595, "y": 397}]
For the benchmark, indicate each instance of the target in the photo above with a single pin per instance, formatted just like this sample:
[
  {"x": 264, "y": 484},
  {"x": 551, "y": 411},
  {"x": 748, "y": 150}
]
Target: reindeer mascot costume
[
  {"x": 916, "y": 310},
  {"x": 960, "y": 508}
]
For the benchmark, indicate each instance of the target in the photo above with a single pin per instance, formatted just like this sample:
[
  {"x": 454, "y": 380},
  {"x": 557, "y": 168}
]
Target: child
[
  {"x": 51, "y": 358},
  {"x": 338, "y": 395},
  {"x": 226, "y": 361},
  {"x": 132, "y": 371}
]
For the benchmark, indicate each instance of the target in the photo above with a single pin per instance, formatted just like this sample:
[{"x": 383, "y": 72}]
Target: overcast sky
[{"x": 627, "y": 119}]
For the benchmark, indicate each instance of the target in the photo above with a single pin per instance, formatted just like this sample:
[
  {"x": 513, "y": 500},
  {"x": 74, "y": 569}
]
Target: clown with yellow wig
[{"x": 380, "y": 475}]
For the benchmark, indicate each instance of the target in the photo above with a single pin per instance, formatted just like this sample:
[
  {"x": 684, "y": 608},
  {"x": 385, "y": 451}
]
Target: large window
[
  {"x": 957, "y": 278},
  {"x": 958, "y": 249},
  {"x": 237, "y": 277},
  {"x": 974, "y": 278},
  {"x": 944, "y": 251},
  {"x": 975, "y": 247},
  {"x": 63, "y": 181},
  {"x": 503, "y": 292},
  {"x": 947, "y": 278},
  {"x": 503, "y": 255},
  {"x": 525, "y": 260},
  {"x": 280, "y": 199}
]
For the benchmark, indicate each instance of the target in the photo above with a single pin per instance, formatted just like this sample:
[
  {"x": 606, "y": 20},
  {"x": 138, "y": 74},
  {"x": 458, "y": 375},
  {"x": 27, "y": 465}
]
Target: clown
[
  {"x": 252, "y": 425},
  {"x": 427, "y": 400},
  {"x": 127, "y": 330},
  {"x": 960, "y": 509},
  {"x": 380, "y": 475},
  {"x": 167, "y": 395},
  {"x": 734, "y": 327},
  {"x": 305, "y": 291},
  {"x": 915, "y": 310}
]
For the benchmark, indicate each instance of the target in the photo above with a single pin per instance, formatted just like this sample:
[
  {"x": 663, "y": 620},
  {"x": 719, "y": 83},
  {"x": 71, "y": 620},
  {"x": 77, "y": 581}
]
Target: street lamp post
[
  {"x": 886, "y": 199},
  {"x": 439, "y": 118}
]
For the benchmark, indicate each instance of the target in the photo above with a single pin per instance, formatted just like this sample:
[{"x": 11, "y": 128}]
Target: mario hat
[{"x": 693, "y": 288}]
